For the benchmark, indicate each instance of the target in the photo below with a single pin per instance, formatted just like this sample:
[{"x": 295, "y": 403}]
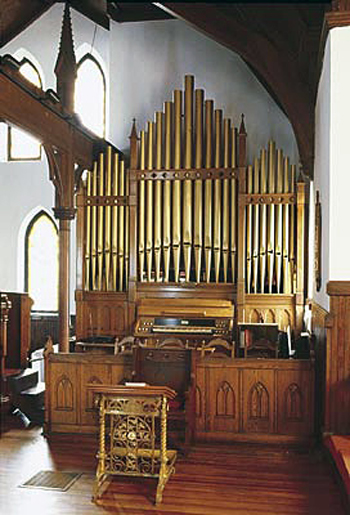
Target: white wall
[
  {"x": 332, "y": 177},
  {"x": 339, "y": 242},
  {"x": 149, "y": 60},
  {"x": 322, "y": 170},
  {"x": 143, "y": 62}
]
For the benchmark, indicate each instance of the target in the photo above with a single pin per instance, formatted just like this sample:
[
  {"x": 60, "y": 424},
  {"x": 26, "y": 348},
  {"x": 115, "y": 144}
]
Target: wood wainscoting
[
  {"x": 259, "y": 400},
  {"x": 69, "y": 406},
  {"x": 252, "y": 400},
  {"x": 320, "y": 317},
  {"x": 337, "y": 394}
]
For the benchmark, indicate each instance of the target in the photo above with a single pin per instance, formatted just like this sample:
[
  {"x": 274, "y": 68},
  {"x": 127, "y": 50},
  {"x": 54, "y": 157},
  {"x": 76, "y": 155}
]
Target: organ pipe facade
[{"x": 191, "y": 215}]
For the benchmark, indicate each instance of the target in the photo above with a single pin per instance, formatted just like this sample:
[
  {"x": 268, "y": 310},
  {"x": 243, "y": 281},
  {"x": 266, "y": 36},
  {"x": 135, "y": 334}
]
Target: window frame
[
  {"x": 10, "y": 157},
  {"x": 31, "y": 224},
  {"x": 89, "y": 56}
]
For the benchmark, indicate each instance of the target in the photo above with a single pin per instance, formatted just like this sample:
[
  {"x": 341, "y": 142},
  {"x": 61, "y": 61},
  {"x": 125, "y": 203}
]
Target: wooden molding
[
  {"x": 336, "y": 19},
  {"x": 319, "y": 315},
  {"x": 338, "y": 288}
]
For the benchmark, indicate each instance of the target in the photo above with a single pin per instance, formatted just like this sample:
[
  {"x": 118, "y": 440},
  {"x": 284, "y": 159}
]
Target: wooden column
[
  {"x": 64, "y": 215},
  {"x": 337, "y": 394}
]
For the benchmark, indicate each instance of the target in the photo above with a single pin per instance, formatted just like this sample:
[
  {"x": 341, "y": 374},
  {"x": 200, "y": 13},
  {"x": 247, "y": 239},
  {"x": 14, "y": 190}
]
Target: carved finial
[
  {"x": 242, "y": 126},
  {"x": 48, "y": 346},
  {"x": 66, "y": 66},
  {"x": 133, "y": 133}
]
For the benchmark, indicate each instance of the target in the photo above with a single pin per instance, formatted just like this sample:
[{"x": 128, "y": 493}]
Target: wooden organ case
[{"x": 190, "y": 224}]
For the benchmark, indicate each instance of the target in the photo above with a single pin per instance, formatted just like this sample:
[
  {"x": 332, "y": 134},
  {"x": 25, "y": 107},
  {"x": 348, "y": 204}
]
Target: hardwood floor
[{"x": 211, "y": 480}]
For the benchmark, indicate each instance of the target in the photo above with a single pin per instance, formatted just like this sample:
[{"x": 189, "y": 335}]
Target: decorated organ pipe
[
  {"x": 198, "y": 192},
  {"x": 256, "y": 215},
  {"x": 167, "y": 193},
  {"x": 226, "y": 201},
  {"x": 115, "y": 224},
  {"x": 270, "y": 223},
  {"x": 187, "y": 184},
  {"x": 105, "y": 208},
  {"x": 176, "y": 211},
  {"x": 249, "y": 226},
  {"x": 190, "y": 227},
  {"x": 271, "y": 217},
  {"x": 233, "y": 224},
  {"x": 208, "y": 218}
]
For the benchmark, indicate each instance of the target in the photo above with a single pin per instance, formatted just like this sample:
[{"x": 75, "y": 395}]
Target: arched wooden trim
[{"x": 54, "y": 171}]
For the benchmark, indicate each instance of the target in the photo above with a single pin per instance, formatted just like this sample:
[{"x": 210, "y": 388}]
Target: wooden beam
[{"x": 25, "y": 106}]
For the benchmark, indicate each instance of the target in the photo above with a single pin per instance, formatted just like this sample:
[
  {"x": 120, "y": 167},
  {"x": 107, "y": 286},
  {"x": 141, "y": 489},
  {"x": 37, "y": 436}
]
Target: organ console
[{"x": 195, "y": 325}]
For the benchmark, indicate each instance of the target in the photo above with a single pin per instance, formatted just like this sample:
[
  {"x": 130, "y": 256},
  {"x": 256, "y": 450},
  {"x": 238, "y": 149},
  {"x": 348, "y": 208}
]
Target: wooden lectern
[{"x": 131, "y": 442}]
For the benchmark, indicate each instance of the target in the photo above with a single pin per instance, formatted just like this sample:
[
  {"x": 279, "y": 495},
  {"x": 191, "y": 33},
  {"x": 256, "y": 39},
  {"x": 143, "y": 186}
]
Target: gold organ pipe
[
  {"x": 149, "y": 202},
  {"x": 217, "y": 195},
  {"x": 208, "y": 188},
  {"x": 187, "y": 185},
  {"x": 115, "y": 228},
  {"x": 271, "y": 217},
  {"x": 233, "y": 207},
  {"x": 100, "y": 225},
  {"x": 127, "y": 232},
  {"x": 167, "y": 194},
  {"x": 225, "y": 200},
  {"x": 94, "y": 229},
  {"x": 198, "y": 193},
  {"x": 256, "y": 210},
  {"x": 249, "y": 231},
  {"x": 158, "y": 196},
  {"x": 88, "y": 233},
  {"x": 142, "y": 212},
  {"x": 292, "y": 232},
  {"x": 108, "y": 218},
  {"x": 121, "y": 234},
  {"x": 176, "y": 235},
  {"x": 286, "y": 211},
  {"x": 263, "y": 212},
  {"x": 279, "y": 223}
]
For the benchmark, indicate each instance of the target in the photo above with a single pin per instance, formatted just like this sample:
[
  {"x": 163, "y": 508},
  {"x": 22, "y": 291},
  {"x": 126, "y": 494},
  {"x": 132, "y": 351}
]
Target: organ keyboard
[{"x": 161, "y": 318}]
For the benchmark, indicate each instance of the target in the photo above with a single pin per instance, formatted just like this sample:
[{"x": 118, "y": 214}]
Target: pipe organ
[
  {"x": 189, "y": 218},
  {"x": 189, "y": 245}
]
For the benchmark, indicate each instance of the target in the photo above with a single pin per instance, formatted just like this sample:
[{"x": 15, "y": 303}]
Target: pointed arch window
[
  {"x": 21, "y": 145},
  {"x": 41, "y": 262},
  {"x": 90, "y": 95}
]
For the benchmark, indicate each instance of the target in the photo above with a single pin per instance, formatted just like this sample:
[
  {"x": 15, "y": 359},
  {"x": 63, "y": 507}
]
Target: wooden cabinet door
[
  {"x": 223, "y": 399},
  {"x": 63, "y": 393},
  {"x": 91, "y": 374},
  {"x": 258, "y": 401},
  {"x": 295, "y": 402}
]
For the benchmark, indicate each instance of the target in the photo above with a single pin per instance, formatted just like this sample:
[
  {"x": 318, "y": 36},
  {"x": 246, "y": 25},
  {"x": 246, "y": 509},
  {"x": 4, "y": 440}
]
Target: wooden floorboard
[{"x": 212, "y": 480}]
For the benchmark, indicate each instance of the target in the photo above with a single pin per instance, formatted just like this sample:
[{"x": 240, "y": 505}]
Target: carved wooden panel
[
  {"x": 96, "y": 374},
  {"x": 223, "y": 399},
  {"x": 337, "y": 392},
  {"x": 258, "y": 401},
  {"x": 295, "y": 402},
  {"x": 101, "y": 313},
  {"x": 200, "y": 398},
  {"x": 278, "y": 309},
  {"x": 64, "y": 393}
]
